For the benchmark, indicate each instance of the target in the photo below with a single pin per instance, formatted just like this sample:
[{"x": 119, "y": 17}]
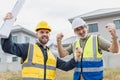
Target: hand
[
  {"x": 112, "y": 30},
  {"x": 8, "y": 16},
  {"x": 78, "y": 53},
  {"x": 59, "y": 36}
]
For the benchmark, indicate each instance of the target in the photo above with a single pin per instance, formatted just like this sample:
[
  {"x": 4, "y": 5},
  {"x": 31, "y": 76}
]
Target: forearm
[
  {"x": 61, "y": 50},
  {"x": 66, "y": 65},
  {"x": 14, "y": 48},
  {"x": 114, "y": 48},
  {"x": 5, "y": 42}
]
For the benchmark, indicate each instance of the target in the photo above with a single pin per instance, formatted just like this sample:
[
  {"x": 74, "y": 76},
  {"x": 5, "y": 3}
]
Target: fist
[
  {"x": 59, "y": 36},
  {"x": 8, "y": 16},
  {"x": 111, "y": 28},
  {"x": 78, "y": 53}
]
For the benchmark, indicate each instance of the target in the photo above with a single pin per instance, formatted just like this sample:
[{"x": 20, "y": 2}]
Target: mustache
[{"x": 45, "y": 36}]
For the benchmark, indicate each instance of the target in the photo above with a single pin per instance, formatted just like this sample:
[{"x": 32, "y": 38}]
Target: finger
[
  {"x": 110, "y": 25},
  {"x": 110, "y": 29},
  {"x": 78, "y": 50},
  {"x": 61, "y": 35},
  {"x": 106, "y": 26}
]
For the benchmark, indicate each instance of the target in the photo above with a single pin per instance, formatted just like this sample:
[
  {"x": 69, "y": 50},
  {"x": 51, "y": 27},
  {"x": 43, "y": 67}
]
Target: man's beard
[
  {"x": 83, "y": 36},
  {"x": 43, "y": 41}
]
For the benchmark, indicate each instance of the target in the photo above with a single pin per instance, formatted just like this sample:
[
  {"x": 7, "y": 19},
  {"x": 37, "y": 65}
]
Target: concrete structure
[{"x": 96, "y": 21}]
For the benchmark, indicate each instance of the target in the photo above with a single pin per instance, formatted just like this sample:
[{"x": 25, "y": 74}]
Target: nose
[
  {"x": 44, "y": 34},
  {"x": 80, "y": 31}
]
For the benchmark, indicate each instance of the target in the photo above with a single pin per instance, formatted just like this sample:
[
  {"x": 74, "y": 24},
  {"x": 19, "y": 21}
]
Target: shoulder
[{"x": 103, "y": 43}]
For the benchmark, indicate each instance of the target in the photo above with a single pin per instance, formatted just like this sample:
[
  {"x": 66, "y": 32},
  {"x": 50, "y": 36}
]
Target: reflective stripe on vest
[
  {"x": 40, "y": 66},
  {"x": 98, "y": 69},
  {"x": 33, "y": 67},
  {"x": 90, "y": 59}
]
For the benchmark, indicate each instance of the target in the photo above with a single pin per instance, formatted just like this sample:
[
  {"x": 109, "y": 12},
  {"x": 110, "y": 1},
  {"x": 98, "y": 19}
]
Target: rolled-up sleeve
[
  {"x": 69, "y": 49},
  {"x": 103, "y": 43}
]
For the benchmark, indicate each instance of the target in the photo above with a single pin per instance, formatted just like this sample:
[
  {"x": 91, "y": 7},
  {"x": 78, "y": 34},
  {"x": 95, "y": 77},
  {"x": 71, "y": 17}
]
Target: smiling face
[
  {"x": 81, "y": 31},
  {"x": 43, "y": 36}
]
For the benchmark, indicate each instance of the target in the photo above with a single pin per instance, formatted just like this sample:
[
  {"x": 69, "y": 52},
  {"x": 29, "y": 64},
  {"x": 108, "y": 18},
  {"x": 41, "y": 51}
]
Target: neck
[
  {"x": 44, "y": 45},
  {"x": 83, "y": 37}
]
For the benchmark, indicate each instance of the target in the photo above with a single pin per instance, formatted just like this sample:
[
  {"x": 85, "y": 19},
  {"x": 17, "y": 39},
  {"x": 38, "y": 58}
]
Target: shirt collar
[{"x": 40, "y": 45}]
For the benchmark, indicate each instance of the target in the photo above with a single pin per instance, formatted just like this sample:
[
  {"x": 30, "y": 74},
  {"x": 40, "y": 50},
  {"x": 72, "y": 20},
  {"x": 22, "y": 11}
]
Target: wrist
[{"x": 58, "y": 40}]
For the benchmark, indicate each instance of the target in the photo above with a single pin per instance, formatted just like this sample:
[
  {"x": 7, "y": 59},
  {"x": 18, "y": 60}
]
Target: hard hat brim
[{"x": 43, "y": 29}]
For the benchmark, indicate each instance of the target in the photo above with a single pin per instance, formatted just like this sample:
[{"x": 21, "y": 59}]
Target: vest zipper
[
  {"x": 45, "y": 60},
  {"x": 44, "y": 70},
  {"x": 82, "y": 57}
]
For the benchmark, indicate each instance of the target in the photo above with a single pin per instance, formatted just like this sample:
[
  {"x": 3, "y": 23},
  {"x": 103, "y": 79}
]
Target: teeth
[{"x": 44, "y": 38}]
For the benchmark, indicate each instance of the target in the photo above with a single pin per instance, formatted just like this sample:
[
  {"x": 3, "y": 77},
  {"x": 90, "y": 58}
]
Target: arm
[
  {"x": 66, "y": 65},
  {"x": 19, "y": 50},
  {"x": 13, "y": 48},
  {"x": 70, "y": 64},
  {"x": 114, "y": 47},
  {"x": 62, "y": 52}
]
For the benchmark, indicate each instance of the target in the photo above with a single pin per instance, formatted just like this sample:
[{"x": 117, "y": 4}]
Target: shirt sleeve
[
  {"x": 69, "y": 49},
  {"x": 10, "y": 47},
  {"x": 66, "y": 65},
  {"x": 103, "y": 43}
]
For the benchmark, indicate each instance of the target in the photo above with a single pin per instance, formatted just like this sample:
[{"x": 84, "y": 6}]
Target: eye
[
  {"x": 82, "y": 27},
  {"x": 41, "y": 32},
  {"x": 47, "y": 32}
]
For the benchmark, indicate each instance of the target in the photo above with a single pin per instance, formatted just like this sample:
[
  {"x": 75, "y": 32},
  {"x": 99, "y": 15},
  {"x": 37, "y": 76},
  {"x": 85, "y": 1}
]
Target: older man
[{"x": 90, "y": 65}]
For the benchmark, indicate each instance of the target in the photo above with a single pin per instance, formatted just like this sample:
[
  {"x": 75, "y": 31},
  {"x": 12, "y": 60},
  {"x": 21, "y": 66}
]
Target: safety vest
[
  {"x": 34, "y": 67},
  {"x": 90, "y": 65}
]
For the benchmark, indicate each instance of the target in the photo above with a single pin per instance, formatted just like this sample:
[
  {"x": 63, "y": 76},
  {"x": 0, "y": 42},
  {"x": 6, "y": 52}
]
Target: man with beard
[
  {"x": 90, "y": 64},
  {"x": 38, "y": 61}
]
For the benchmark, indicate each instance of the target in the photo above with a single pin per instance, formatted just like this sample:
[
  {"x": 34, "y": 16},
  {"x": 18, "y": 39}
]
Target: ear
[
  {"x": 75, "y": 32},
  {"x": 36, "y": 34},
  {"x": 87, "y": 27}
]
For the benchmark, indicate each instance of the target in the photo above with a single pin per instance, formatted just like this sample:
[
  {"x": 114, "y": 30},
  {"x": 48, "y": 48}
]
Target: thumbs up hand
[{"x": 78, "y": 53}]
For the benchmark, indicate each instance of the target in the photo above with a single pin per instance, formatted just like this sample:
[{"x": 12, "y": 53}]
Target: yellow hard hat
[{"x": 43, "y": 25}]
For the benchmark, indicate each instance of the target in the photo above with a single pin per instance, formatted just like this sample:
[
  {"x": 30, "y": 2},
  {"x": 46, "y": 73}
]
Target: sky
[{"x": 55, "y": 12}]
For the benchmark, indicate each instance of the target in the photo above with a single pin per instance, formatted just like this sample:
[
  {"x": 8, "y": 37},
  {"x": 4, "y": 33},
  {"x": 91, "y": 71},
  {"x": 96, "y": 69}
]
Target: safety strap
[
  {"x": 97, "y": 69},
  {"x": 30, "y": 53},
  {"x": 94, "y": 46}
]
